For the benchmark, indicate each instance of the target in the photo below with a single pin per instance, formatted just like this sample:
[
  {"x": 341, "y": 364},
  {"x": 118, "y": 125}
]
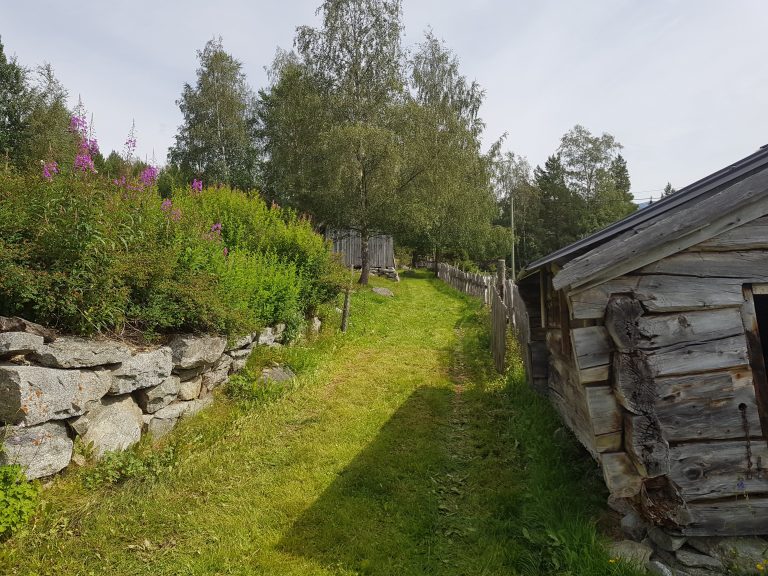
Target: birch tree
[{"x": 215, "y": 142}]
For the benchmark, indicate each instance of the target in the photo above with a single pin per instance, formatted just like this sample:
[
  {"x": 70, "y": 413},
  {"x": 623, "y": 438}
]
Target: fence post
[{"x": 501, "y": 271}]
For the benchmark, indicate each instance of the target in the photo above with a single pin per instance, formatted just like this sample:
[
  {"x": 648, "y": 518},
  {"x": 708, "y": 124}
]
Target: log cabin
[{"x": 651, "y": 340}]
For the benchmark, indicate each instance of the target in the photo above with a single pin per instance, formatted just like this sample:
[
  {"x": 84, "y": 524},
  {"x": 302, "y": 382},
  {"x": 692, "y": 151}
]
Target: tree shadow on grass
[{"x": 379, "y": 515}]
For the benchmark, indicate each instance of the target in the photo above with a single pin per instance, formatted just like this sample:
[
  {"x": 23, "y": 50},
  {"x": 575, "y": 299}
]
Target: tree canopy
[
  {"x": 581, "y": 188},
  {"x": 366, "y": 139},
  {"x": 215, "y": 141}
]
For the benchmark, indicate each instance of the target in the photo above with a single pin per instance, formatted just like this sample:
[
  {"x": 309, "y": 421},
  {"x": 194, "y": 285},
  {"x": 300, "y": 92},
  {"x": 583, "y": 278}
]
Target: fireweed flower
[
  {"x": 149, "y": 176},
  {"x": 91, "y": 145},
  {"x": 84, "y": 162},
  {"x": 197, "y": 185},
  {"x": 166, "y": 205},
  {"x": 78, "y": 125},
  {"x": 226, "y": 251},
  {"x": 49, "y": 169},
  {"x": 175, "y": 214}
]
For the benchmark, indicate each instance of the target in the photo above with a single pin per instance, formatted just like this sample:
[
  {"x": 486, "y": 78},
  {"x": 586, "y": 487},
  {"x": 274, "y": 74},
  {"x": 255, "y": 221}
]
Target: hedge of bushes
[{"x": 84, "y": 255}]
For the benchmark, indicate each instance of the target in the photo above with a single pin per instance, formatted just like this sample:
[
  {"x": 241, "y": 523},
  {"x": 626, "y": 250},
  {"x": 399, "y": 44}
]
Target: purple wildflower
[
  {"x": 175, "y": 214},
  {"x": 84, "y": 162},
  {"x": 49, "y": 169},
  {"x": 149, "y": 176},
  {"x": 78, "y": 125},
  {"x": 91, "y": 145},
  {"x": 216, "y": 227},
  {"x": 166, "y": 205},
  {"x": 197, "y": 185},
  {"x": 226, "y": 251}
]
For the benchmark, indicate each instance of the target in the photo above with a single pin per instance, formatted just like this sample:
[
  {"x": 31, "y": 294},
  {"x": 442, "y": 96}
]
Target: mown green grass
[{"x": 397, "y": 451}]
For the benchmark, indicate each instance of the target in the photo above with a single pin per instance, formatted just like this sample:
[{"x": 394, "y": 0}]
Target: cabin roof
[{"x": 723, "y": 200}]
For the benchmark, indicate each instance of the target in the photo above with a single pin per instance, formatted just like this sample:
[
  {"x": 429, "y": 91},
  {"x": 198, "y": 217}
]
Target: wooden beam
[
  {"x": 622, "y": 317},
  {"x": 699, "y": 358},
  {"x": 604, "y": 410},
  {"x": 645, "y": 444},
  {"x": 662, "y": 504},
  {"x": 664, "y": 330},
  {"x": 748, "y": 267},
  {"x": 633, "y": 382},
  {"x": 719, "y": 469},
  {"x": 750, "y": 236},
  {"x": 662, "y": 293},
  {"x": 730, "y": 208},
  {"x": 591, "y": 346},
  {"x": 742, "y": 517},
  {"x": 707, "y": 406},
  {"x": 621, "y": 476}
]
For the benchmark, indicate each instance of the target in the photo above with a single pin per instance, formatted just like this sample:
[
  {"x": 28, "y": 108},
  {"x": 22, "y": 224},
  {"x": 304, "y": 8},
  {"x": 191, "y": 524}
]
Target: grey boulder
[
  {"x": 40, "y": 450},
  {"x": 190, "y": 389},
  {"x": 697, "y": 560},
  {"x": 239, "y": 358},
  {"x": 631, "y": 551},
  {"x": 386, "y": 292},
  {"x": 111, "y": 426},
  {"x": 218, "y": 373},
  {"x": 164, "y": 420},
  {"x": 277, "y": 374},
  {"x": 142, "y": 370},
  {"x": 16, "y": 324},
  {"x": 191, "y": 351},
  {"x": 30, "y": 395},
  {"x": 266, "y": 337},
  {"x": 158, "y": 397},
  {"x": 74, "y": 352},
  {"x": 183, "y": 409},
  {"x": 664, "y": 540},
  {"x": 16, "y": 343},
  {"x": 159, "y": 427},
  {"x": 658, "y": 568},
  {"x": 241, "y": 342}
]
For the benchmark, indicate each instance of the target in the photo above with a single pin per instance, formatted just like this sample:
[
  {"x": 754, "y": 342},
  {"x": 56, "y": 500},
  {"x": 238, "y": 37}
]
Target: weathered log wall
[{"x": 660, "y": 387}]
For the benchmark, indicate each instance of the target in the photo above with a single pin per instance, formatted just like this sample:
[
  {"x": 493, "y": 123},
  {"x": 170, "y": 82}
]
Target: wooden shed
[
  {"x": 381, "y": 248},
  {"x": 651, "y": 339}
]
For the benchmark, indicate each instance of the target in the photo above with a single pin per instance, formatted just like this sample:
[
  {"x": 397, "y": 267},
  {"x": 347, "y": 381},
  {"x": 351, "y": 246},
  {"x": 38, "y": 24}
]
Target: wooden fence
[
  {"x": 381, "y": 251},
  {"x": 507, "y": 309},
  {"x": 499, "y": 318},
  {"x": 478, "y": 285}
]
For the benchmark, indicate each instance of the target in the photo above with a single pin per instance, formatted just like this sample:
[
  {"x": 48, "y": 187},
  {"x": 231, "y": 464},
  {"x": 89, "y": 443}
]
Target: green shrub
[
  {"x": 117, "y": 467},
  {"x": 18, "y": 499},
  {"x": 85, "y": 255},
  {"x": 248, "y": 388}
]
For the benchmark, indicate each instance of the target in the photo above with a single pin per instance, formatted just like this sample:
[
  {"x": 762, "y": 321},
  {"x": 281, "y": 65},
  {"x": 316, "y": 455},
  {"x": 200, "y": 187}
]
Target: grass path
[{"x": 398, "y": 452}]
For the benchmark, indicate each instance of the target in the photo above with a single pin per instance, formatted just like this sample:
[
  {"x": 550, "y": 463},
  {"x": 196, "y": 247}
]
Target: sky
[{"x": 682, "y": 84}]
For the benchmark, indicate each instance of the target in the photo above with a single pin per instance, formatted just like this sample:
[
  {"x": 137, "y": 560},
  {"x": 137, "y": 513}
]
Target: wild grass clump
[
  {"x": 83, "y": 254},
  {"x": 251, "y": 390},
  {"x": 117, "y": 467}
]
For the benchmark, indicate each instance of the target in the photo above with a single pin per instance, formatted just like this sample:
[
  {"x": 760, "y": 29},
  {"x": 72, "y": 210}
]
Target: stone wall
[{"x": 106, "y": 392}]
